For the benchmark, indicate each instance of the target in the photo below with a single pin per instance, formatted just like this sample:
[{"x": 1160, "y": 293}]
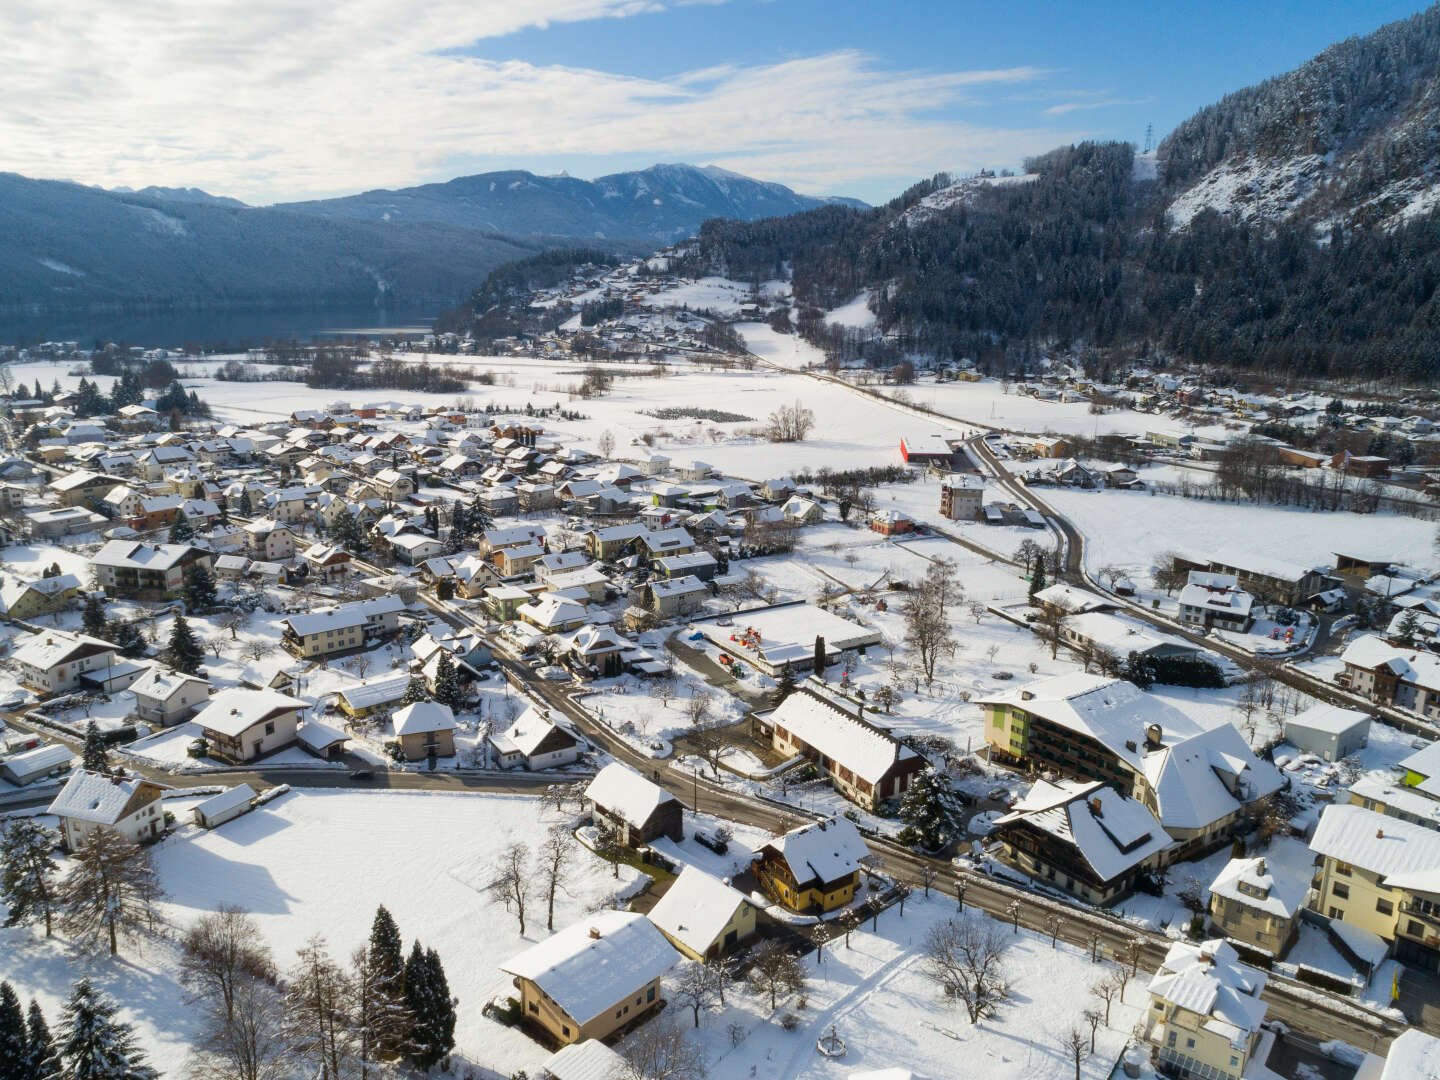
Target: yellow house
[
  {"x": 1219, "y": 1041},
  {"x": 702, "y": 916},
  {"x": 593, "y": 977},
  {"x": 1249, "y": 904},
  {"x": 1381, "y": 874},
  {"x": 812, "y": 869},
  {"x": 370, "y": 696},
  {"x": 27, "y": 599}
]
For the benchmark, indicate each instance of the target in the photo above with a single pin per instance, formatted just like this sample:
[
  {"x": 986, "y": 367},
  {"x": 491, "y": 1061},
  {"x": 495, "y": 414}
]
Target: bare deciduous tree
[
  {"x": 315, "y": 997},
  {"x": 248, "y": 1044},
  {"x": 1073, "y": 1045},
  {"x": 606, "y": 443},
  {"x": 774, "y": 971},
  {"x": 1107, "y": 989},
  {"x": 977, "y": 610},
  {"x": 1092, "y": 1017},
  {"x": 927, "y": 631},
  {"x": 556, "y": 855},
  {"x": 694, "y": 987},
  {"x": 660, "y": 1048},
  {"x": 221, "y": 952},
  {"x": 966, "y": 957},
  {"x": 511, "y": 882},
  {"x": 789, "y": 423},
  {"x": 1053, "y": 925}
]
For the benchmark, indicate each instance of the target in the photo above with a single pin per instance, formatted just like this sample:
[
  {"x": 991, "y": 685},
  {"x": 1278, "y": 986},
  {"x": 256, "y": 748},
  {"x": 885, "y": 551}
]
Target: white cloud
[
  {"x": 276, "y": 99},
  {"x": 1106, "y": 103}
]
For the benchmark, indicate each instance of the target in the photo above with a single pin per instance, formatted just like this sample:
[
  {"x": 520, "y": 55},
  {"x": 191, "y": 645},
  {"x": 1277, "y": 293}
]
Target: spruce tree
[
  {"x": 27, "y": 871},
  {"x": 480, "y": 520},
  {"x": 14, "y": 1041},
  {"x": 180, "y": 529},
  {"x": 92, "y": 616},
  {"x": 387, "y": 950},
  {"x": 415, "y": 692},
  {"x": 819, "y": 661},
  {"x": 126, "y": 637},
  {"x": 1037, "y": 577},
  {"x": 96, "y": 1046},
  {"x": 184, "y": 653},
  {"x": 95, "y": 755},
  {"x": 244, "y": 505},
  {"x": 447, "y": 683},
  {"x": 785, "y": 686},
  {"x": 427, "y": 993},
  {"x": 199, "y": 588},
  {"x": 390, "y": 1020},
  {"x": 928, "y": 809},
  {"x": 42, "y": 1062}
]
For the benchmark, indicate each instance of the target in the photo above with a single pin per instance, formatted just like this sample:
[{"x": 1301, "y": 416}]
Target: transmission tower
[{"x": 1149, "y": 138}]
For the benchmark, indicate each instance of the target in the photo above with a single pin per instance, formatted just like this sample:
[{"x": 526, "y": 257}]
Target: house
[
  {"x": 1049, "y": 446},
  {"x": 327, "y": 562},
  {"x": 166, "y": 697},
  {"x": 241, "y": 725},
  {"x": 28, "y": 766},
  {"x": 552, "y": 614},
  {"x": 961, "y": 495},
  {"x": 1268, "y": 577},
  {"x": 1082, "y": 837},
  {"x": 891, "y": 522},
  {"x": 128, "y": 805},
  {"x": 340, "y": 629},
  {"x": 783, "y": 638},
  {"x": 414, "y": 548},
  {"x": 703, "y": 916},
  {"x": 518, "y": 559},
  {"x": 588, "y": 1060},
  {"x": 672, "y": 597},
  {"x": 496, "y": 539},
  {"x": 425, "y": 729},
  {"x": 594, "y": 977},
  {"x": 146, "y": 571},
  {"x": 636, "y": 809},
  {"x": 1069, "y": 600},
  {"x": 269, "y": 540},
  {"x": 597, "y": 651},
  {"x": 287, "y": 504},
  {"x": 1363, "y": 465},
  {"x": 1412, "y": 1055},
  {"x": 814, "y": 868},
  {"x": 55, "y": 660},
  {"x": 534, "y": 742},
  {"x": 373, "y": 695},
  {"x": 226, "y": 806},
  {"x": 1328, "y": 730},
  {"x": 44, "y": 596},
  {"x": 1381, "y": 876},
  {"x": 1213, "y": 601},
  {"x": 1255, "y": 908},
  {"x": 82, "y": 488},
  {"x": 698, "y": 564},
  {"x": 866, "y": 765},
  {"x": 799, "y": 510},
  {"x": 614, "y": 541},
  {"x": 1205, "y": 1012},
  {"x": 63, "y": 521},
  {"x": 1406, "y": 678}
]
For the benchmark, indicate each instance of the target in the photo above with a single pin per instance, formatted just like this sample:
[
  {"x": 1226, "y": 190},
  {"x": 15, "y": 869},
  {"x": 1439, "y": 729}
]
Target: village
[{"x": 782, "y": 711}]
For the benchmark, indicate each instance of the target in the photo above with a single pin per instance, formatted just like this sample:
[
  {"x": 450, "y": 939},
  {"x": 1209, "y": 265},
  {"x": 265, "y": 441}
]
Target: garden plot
[{"x": 878, "y": 999}]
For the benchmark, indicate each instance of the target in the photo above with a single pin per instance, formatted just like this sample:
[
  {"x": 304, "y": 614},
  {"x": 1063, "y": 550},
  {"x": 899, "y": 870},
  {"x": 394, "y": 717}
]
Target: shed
[
  {"x": 1328, "y": 730},
  {"x": 228, "y": 805},
  {"x": 31, "y": 765}
]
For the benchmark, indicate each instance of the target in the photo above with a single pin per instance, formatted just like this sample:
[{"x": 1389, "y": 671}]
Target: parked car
[
  {"x": 999, "y": 794},
  {"x": 362, "y": 774}
]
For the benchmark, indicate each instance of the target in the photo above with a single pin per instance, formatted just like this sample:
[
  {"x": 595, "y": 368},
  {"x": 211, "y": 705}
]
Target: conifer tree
[
  {"x": 785, "y": 686},
  {"x": 180, "y": 529},
  {"x": 42, "y": 1062},
  {"x": 244, "y": 505},
  {"x": 199, "y": 588},
  {"x": 1037, "y": 577},
  {"x": 27, "y": 872},
  {"x": 427, "y": 992},
  {"x": 388, "y": 1020},
  {"x": 415, "y": 692},
  {"x": 447, "y": 683},
  {"x": 14, "y": 1041},
  {"x": 126, "y": 637},
  {"x": 928, "y": 809},
  {"x": 184, "y": 653},
  {"x": 95, "y": 755},
  {"x": 92, "y": 616},
  {"x": 96, "y": 1046}
]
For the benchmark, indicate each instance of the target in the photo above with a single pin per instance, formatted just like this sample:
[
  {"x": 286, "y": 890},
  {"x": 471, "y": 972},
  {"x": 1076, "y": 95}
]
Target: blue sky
[{"x": 301, "y": 98}]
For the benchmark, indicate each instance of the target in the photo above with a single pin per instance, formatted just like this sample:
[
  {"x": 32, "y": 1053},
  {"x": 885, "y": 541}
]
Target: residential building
[
  {"x": 891, "y": 522},
  {"x": 374, "y": 695},
  {"x": 241, "y": 725},
  {"x": 1212, "y": 601},
  {"x": 1413, "y": 1055},
  {"x": 672, "y": 597},
  {"x": 534, "y": 742},
  {"x": 56, "y": 660},
  {"x": 814, "y": 868},
  {"x": 270, "y": 540},
  {"x": 43, "y": 596},
  {"x": 703, "y": 916},
  {"x": 166, "y": 697},
  {"x": 866, "y": 765},
  {"x": 327, "y": 563},
  {"x": 146, "y": 571},
  {"x": 961, "y": 495},
  {"x": 594, "y": 977},
  {"x": 1406, "y": 678},
  {"x": 341, "y": 629},
  {"x": 83, "y": 488},
  {"x": 425, "y": 729},
  {"x": 1328, "y": 731},
  {"x": 1257, "y": 908},
  {"x": 1205, "y": 1012},
  {"x": 128, "y": 805},
  {"x": 637, "y": 810},
  {"x": 1082, "y": 837},
  {"x": 1381, "y": 876},
  {"x": 1268, "y": 577},
  {"x": 588, "y": 1060}
]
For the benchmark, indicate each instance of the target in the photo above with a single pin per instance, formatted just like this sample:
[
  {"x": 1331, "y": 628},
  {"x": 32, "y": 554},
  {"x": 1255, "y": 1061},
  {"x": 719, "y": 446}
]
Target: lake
[{"x": 227, "y": 329}]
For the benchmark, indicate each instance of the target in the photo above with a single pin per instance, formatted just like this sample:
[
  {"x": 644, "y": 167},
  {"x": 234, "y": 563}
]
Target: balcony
[{"x": 1429, "y": 920}]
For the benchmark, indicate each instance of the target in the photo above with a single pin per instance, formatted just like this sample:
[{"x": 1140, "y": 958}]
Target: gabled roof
[
  {"x": 588, "y": 1060},
  {"x": 346, "y": 615},
  {"x": 821, "y": 851},
  {"x": 48, "y": 648},
  {"x": 1406, "y": 856},
  {"x": 129, "y": 555},
  {"x": 1210, "y": 980},
  {"x": 1111, "y": 833},
  {"x": 866, "y": 751},
  {"x": 696, "y": 908},
  {"x": 625, "y": 793},
  {"x": 232, "y": 712},
  {"x": 1201, "y": 779},
  {"x": 98, "y": 798},
  {"x": 531, "y": 732},
  {"x": 1284, "y": 893},
  {"x": 421, "y": 717},
  {"x": 588, "y": 967},
  {"x": 162, "y": 683}
]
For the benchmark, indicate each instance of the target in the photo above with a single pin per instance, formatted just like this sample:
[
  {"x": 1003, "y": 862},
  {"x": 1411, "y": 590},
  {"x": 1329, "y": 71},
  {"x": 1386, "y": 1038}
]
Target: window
[
  {"x": 1343, "y": 868},
  {"x": 565, "y": 1030},
  {"x": 650, "y": 994},
  {"x": 1189, "y": 1044},
  {"x": 1171, "y": 1040},
  {"x": 534, "y": 1008},
  {"x": 1385, "y": 907},
  {"x": 1341, "y": 891},
  {"x": 1336, "y": 913},
  {"x": 1414, "y": 929},
  {"x": 270, "y": 728}
]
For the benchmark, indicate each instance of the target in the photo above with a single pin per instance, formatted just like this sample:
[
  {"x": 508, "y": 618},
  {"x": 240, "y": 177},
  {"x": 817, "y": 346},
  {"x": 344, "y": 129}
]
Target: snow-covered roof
[
  {"x": 696, "y": 908},
  {"x": 1210, "y": 980},
  {"x": 382, "y": 688},
  {"x": 1284, "y": 894},
  {"x": 588, "y": 1060},
  {"x": 1201, "y": 779},
  {"x": 232, "y": 712},
  {"x": 1405, "y": 855},
  {"x": 1114, "y": 712},
  {"x": 1071, "y": 600},
  {"x": 821, "y": 851},
  {"x": 1111, "y": 832},
  {"x": 162, "y": 683},
  {"x": 346, "y": 615},
  {"x": 1329, "y": 719},
  {"x": 129, "y": 555},
  {"x": 1122, "y": 635},
  {"x": 98, "y": 797},
  {"x": 594, "y": 963},
  {"x": 528, "y": 731},
  {"x": 228, "y": 799},
  {"x": 1370, "y": 651},
  {"x": 40, "y": 759},
  {"x": 866, "y": 751},
  {"x": 319, "y": 736},
  {"x": 1233, "y": 602},
  {"x": 1425, "y": 762},
  {"x": 1267, "y": 565},
  {"x": 44, "y": 650},
  {"x": 1414, "y": 1055},
  {"x": 423, "y": 716},
  {"x": 624, "y": 792}
]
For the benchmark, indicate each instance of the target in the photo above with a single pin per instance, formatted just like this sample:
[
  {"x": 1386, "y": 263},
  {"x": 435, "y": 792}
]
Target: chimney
[
  {"x": 1379, "y": 834},
  {"x": 1095, "y": 808},
  {"x": 594, "y": 933},
  {"x": 1260, "y": 866}
]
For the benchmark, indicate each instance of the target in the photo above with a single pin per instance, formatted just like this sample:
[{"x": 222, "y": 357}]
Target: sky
[{"x": 275, "y": 100}]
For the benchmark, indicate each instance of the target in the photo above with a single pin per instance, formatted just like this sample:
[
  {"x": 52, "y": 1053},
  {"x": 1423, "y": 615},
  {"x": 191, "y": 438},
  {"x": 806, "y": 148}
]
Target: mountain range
[{"x": 72, "y": 247}]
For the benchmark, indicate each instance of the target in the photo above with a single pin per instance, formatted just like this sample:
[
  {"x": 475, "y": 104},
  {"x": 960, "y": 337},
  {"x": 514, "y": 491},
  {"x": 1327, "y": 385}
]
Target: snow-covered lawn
[{"x": 890, "y": 1014}]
